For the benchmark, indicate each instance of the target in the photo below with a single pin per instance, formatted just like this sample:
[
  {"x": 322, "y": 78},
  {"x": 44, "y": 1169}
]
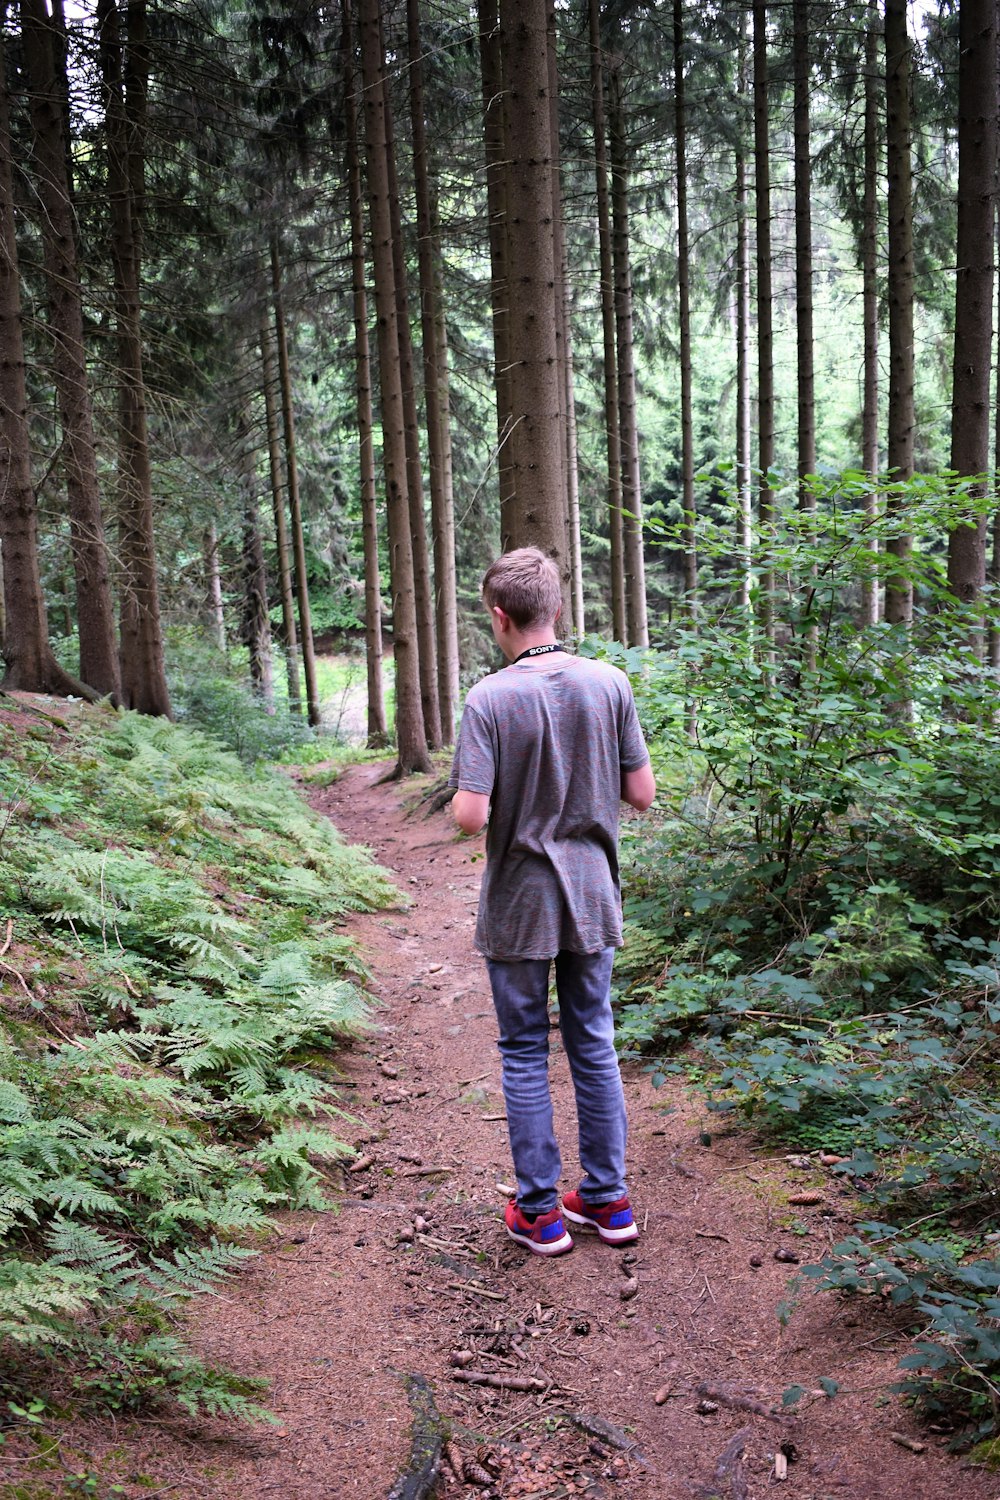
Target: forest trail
[{"x": 651, "y": 1379}]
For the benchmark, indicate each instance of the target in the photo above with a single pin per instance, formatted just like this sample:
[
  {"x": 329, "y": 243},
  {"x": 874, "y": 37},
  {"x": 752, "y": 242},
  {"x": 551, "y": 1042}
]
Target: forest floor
[{"x": 659, "y": 1376}]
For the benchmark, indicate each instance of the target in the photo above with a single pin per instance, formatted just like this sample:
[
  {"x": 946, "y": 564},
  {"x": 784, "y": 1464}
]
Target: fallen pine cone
[{"x": 806, "y": 1200}]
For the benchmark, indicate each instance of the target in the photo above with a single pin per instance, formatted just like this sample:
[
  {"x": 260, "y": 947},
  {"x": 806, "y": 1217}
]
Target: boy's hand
[
  {"x": 471, "y": 809},
  {"x": 639, "y": 787}
]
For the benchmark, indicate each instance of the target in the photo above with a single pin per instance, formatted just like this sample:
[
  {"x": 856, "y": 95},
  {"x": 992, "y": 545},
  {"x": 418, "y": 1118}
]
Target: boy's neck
[{"x": 515, "y": 642}]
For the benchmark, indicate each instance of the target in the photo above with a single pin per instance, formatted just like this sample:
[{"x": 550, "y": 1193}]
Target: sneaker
[
  {"x": 613, "y": 1221},
  {"x": 546, "y": 1236}
]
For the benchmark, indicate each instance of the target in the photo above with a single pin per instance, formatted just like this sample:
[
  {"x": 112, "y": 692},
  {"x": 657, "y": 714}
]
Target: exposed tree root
[{"x": 421, "y": 1472}]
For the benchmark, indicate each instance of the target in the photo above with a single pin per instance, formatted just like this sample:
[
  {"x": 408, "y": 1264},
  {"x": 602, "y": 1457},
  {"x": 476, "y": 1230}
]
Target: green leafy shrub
[{"x": 816, "y": 913}]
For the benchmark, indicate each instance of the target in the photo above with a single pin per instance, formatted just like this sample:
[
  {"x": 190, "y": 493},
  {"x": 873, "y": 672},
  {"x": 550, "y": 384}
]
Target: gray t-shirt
[{"x": 548, "y": 745}]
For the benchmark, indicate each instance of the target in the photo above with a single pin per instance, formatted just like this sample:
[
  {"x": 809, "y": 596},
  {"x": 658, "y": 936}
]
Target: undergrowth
[
  {"x": 813, "y": 927},
  {"x": 171, "y": 960}
]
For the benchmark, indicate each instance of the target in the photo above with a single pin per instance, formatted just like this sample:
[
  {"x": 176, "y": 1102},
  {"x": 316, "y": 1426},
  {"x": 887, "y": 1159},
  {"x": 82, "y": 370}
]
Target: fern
[{"x": 195, "y": 905}]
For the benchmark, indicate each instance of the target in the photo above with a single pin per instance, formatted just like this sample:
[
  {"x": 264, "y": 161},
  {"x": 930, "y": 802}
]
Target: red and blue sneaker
[
  {"x": 545, "y": 1235},
  {"x": 613, "y": 1221}
]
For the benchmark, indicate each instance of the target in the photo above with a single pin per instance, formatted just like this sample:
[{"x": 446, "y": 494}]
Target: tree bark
[
  {"x": 288, "y": 626},
  {"x": 536, "y": 514},
  {"x": 977, "y": 163},
  {"x": 765, "y": 330},
  {"x": 635, "y": 568},
  {"x": 28, "y": 659},
  {"x": 497, "y": 176},
  {"x": 377, "y": 728},
  {"x": 614, "y": 450},
  {"x": 411, "y": 740},
  {"x": 684, "y": 311},
  {"x": 902, "y": 419},
  {"x": 869, "y": 274},
  {"x": 294, "y": 507},
  {"x": 435, "y": 353},
  {"x": 125, "y": 82},
  {"x": 99, "y": 665}
]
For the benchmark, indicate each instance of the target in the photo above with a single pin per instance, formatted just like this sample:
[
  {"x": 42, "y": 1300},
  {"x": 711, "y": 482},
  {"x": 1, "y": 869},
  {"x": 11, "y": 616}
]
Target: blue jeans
[{"x": 520, "y": 995}]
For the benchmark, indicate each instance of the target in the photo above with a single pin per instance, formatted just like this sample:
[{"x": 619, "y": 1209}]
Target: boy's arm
[
  {"x": 638, "y": 787},
  {"x": 470, "y": 810}
]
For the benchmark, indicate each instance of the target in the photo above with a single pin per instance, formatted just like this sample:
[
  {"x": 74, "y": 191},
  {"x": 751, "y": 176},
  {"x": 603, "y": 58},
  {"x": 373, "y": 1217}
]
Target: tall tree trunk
[
  {"x": 294, "y": 507},
  {"x": 213, "y": 577},
  {"x": 869, "y": 273},
  {"x": 256, "y": 622},
  {"x": 125, "y": 82},
  {"x": 377, "y": 728},
  {"x": 42, "y": 43},
  {"x": 570, "y": 480},
  {"x": 30, "y": 664},
  {"x": 684, "y": 308},
  {"x": 536, "y": 515},
  {"x": 804, "y": 363},
  {"x": 497, "y": 180},
  {"x": 628, "y": 423},
  {"x": 422, "y": 583},
  {"x": 765, "y": 330},
  {"x": 411, "y": 740},
  {"x": 435, "y": 352},
  {"x": 744, "y": 499},
  {"x": 977, "y": 163},
  {"x": 902, "y": 418},
  {"x": 611, "y": 428},
  {"x": 288, "y": 627}
]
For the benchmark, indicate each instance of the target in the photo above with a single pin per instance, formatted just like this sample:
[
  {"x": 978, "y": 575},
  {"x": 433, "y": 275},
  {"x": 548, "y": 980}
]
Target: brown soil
[{"x": 668, "y": 1392}]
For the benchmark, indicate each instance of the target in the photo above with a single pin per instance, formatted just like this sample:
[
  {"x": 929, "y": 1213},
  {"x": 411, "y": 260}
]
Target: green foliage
[
  {"x": 182, "y": 909},
  {"x": 817, "y": 910}
]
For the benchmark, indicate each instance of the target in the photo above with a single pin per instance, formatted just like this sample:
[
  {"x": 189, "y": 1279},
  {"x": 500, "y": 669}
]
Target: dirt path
[{"x": 414, "y": 1277}]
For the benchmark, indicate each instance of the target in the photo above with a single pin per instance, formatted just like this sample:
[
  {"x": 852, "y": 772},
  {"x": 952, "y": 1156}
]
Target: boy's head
[{"x": 525, "y": 585}]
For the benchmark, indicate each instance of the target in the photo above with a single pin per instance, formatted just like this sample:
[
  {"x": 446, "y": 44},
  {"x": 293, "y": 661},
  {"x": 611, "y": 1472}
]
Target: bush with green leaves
[
  {"x": 817, "y": 910},
  {"x": 182, "y": 975}
]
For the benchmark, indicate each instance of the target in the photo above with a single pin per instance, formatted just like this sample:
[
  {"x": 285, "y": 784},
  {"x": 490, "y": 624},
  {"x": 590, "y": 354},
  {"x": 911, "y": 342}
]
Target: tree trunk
[
  {"x": 256, "y": 622},
  {"x": 288, "y": 626},
  {"x": 765, "y": 333},
  {"x": 377, "y": 729},
  {"x": 213, "y": 575},
  {"x": 30, "y": 664},
  {"x": 422, "y": 581},
  {"x": 977, "y": 161},
  {"x": 869, "y": 273},
  {"x": 294, "y": 508},
  {"x": 805, "y": 382},
  {"x": 684, "y": 309},
  {"x": 94, "y": 609},
  {"x": 435, "y": 352},
  {"x": 628, "y": 425},
  {"x": 614, "y": 449},
  {"x": 570, "y": 479},
  {"x": 744, "y": 501},
  {"x": 411, "y": 740},
  {"x": 902, "y": 419},
  {"x": 497, "y": 177},
  {"x": 536, "y": 515},
  {"x": 124, "y": 82}
]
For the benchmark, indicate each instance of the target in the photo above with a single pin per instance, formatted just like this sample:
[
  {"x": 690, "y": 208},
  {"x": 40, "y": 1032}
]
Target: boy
[{"x": 553, "y": 743}]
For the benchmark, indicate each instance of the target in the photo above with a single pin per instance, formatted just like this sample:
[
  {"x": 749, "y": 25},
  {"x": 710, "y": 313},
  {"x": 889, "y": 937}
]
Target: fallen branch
[
  {"x": 735, "y": 1400},
  {"x": 607, "y": 1432},
  {"x": 911, "y": 1446},
  {"x": 501, "y": 1382}
]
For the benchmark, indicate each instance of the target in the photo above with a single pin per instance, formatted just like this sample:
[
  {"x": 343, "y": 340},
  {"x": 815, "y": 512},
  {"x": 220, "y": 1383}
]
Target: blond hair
[{"x": 525, "y": 584}]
